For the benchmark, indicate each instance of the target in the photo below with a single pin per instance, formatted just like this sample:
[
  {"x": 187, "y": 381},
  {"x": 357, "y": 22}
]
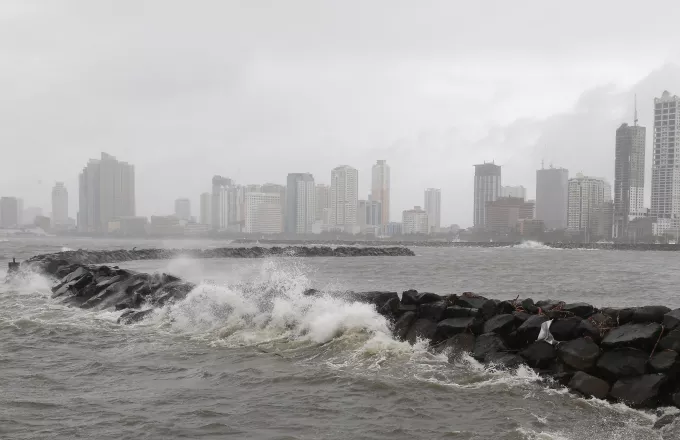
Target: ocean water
[{"x": 247, "y": 356}]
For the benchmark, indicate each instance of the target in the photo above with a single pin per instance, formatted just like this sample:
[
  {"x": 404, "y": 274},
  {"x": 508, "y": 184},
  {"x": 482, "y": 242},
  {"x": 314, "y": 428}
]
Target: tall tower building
[
  {"x": 433, "y": 207},
  {"x": 665, "y": 173},
  {"x": 9, "y": 212},
  {"x": 487, "y": 189},
  {"x": 183, "y": 209},
  {"x": 380, "y": 188},
  {"x": 274, "y": 188},
  {"x": 262, "y": 213},
  {"x": 552, "y": 197},
  {"x": 300, "y": 203},
  {"x": 219, "y": 207},
  {"x": 344, "y": 197},
  {"x": 107, "y": 192},
  {"x": 589, "y": 200},
  {"x": 629, "y": 176},
  {"x": 204, "y": 215},
  {"x": 59, "y": 205},
  {"x": 323, "y": 199}
]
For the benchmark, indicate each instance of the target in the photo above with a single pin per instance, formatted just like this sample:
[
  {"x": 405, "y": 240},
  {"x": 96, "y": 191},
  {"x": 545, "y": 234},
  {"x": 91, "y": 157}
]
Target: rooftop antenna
[{"x": 635, "y": 119}]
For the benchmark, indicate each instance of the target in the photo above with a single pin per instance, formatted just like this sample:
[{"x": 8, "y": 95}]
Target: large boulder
[
  {"x": 665, "y": 361},
  {"x": 486, "y": 306},
  {"x": 647, "y": 314},
  {"x": 580, "y": 354},
  {"x": 671, "y": 320},
  {"x": 539, "y": 354},
  {"x": 504, "y": 360},
  {"x": 452, "y": 326},
  {"x": 433, "y": 311},
  {"x": 582, "y": 310},
  {"x": 456, "y": 345},
  {"x": 565, "y": 329},
  {"x": 643, "y": 336},
  {"x": 391, "y": 308},
  {"x": 622, "y": 362},
  {"x": 530, "y": 329},
  {"x": 418, "y": 298},
  {"x": 589, "y": 385},
  {"x": 619, "y": 316},
  {"x": 421, "y": 329},
  {"x": 460, "y": 312},
  {"x": 639, "y": 391},
  {"x": 671, "y": 341},
  {"x": 486, "y": 344},
  {"x": 403, "y": 324},
  {"x": 500, "y": 324}
]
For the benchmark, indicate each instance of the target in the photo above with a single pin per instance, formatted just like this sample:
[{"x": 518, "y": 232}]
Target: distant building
[
  {"x": 552, "y": 197},
  {"x": 393, "y": 229},
  {"x": 503, "y": 214},
  {"x": 433, "y": 207},
  {"x": 263, "y": 213},
  {"x": 415, "y": 221},
  {"x": 629, "y": 177},
  {"x": 164, "y": 225},
  {"x": 514, "y": 191},
  {"x": 380, "y": 188},
  {"x": 9, "y": 212},
  {"x": 300, "y": 203},
  {"x": 374, "y": 213},
  {"x": 107, "y": 191},
  {"x": 59, "y": 205},
  {"x": 530, "y": 227},
  {"x": 665, "y": 172},
  {"x": 362, "y": 215},
  {"x": 128, "y": 226},
  {"x": 29, "y": 215},
  {"x": 183, "y": 209},
  {"x": 587, "y": 210},
  {"x": 274, "y": 188},
  {"x": 323, "y": 199},
  {"x": 487, "y": 189},
  {"x": 344, "y": 198},
  {"x": 219, "y": 206},
  {"x": 42, "y": 222},
  {"x": 204, "y": 217}
]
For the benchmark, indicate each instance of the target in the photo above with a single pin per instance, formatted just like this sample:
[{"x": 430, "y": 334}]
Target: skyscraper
[
  {"x": 665, "y": 174},
  {"x": 380, "y": 188},
  {"x": 415, "y": 221},
  {"x": 552, "y": 197},
  {"x": 514, "y": 191},
  {"x": 344, "y": 197},
  {"x": 204, "y": 216},
  {"x": 300, "y": 203},
  {"x": 59, "y": 205},
  {"x": 487, "y": 189},
  {"x": 275, "y": 188},
  {"x": 262, "y": 213},
  {"x": 219, "y": 206},
  {"x": 323, "y": 199},
  {"x": 589, "y": 198},
  {"x": 107, "y": 192},
  {"x": 183, "y": 209},
  {"x": 433, "y": 207},
  {"x": 629, "y": 176},
  {"x": 9, "y": 212}
]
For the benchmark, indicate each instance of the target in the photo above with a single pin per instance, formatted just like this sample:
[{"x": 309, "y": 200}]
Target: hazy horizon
[{"x": 254, "y": 91}]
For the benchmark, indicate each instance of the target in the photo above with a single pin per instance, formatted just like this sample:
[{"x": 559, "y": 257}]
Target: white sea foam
[
  {"x": 65, "y": 249},
  {"x": 530, "y": 244}
]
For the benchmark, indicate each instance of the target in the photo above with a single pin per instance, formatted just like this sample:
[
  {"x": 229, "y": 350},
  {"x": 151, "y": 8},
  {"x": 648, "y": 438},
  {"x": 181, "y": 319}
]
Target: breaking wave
[{"x": 530, "y": 244}]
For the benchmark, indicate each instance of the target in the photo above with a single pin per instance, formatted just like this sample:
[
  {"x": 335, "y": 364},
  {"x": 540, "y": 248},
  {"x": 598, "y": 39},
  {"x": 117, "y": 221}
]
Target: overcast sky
[{"x": 254, "y": 90}]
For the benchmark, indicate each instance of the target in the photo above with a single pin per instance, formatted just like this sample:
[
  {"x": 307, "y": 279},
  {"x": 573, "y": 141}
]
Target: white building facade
[
  {"x": 59, "y": 205},
  {"x": 380, "y": 188},
  {"x": 433, "y": 207},
  {"x": 415, "y": 221},
  {"x": 588, "y": 197},
  {"x": 344, "y": 198},
  {"x": 665, "y": 205},
  {"x": 262, "y": 213}
]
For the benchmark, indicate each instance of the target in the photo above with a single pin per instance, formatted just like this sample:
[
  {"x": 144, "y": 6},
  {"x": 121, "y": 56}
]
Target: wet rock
[
  {"x": 588, "y": 385},
  {"x": 421, "y": 329},
  {"x": 460, "y": 312},
  {"x": 675, "y": 398},
  {"x": 622, "y": 362},
  {"x": 640, "y": 391},
  {"x": 580, "y": 354},
  {"x": 671, "y": 341},
  {"x": 671, "y": 320},
  {"x": 547, "y": 305},
  {"x": 457, "y": 345},
  {"x": 586, "y": 329},
  {"x": 665, "y": 420},
  {"x": 433, "y": 311},
  {"x": 487, "y": 344},
  {"x": 642, "y": 336},
  {"x": 529, "y": 306},
  {"x": 485, "y": 306},
  {"x": 643, "y": 315},
  {"x": 500, "y": 324},
  {"x": 582, "y": 310},
  {"x": 407, "y": 308},
  {"x": 504, "y": 307},
  {"x": 601, "y": 320},
  {"x": 619, "y": 316},
  {"x": 504, "y": 360},
  {"x": 529, "y": 331},
  {"x": 521, "y": 317},
  {"x": 664, "y": 362},
  {"x": 418, "y": 298},
  {"x": 391, "y": 308},
  {"x": 134, "y": 316},
  {"x": 539, "y": 354},
  {"x": 565, "y": 329},
  {"x": 453, "y": 326},
  {"x": 403, "y": 324}
]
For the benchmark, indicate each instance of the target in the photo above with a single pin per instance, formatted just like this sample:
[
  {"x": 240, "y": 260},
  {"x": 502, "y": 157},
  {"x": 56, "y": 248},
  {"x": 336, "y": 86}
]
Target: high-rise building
[
  {"x": 323, "y": 199},
  {"x": 263, "y": 213},
  {"x": 589, "y": 199},
  {"x": 107, "y": 192},
  {"x": 433, "y": 207},
  {"x": 362, "y": 214},
  {"x": 380, "y": 188},
  {"x": 487, "y": 189},
  {"x": 300, "y": 203},
  {"x": 552, "y": 197},
  {"x": 374, "y": 213},
  {"x": 183, "y": 209},
  {"x": 9, "y": 212},
  {"x": 219, "y": 207},
  {"x": 504, "y": 214},
  {"x": 629, "y": 176},
  {"x": 275, "y": 188},
  {"x": 665, "y": 174},
  {"x": 204, "y": 217},
  {"x": 414, "y": 221},
  {"x": 514, "y": 191},
  {"x": 344, "y": 197},
  {"x": 59, "y": 205}
]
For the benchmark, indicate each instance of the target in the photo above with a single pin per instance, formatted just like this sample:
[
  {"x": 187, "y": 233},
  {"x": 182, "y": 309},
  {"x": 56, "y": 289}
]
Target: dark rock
[
  {"x": 675, "y": 398},
  {"x": 580, "y": 354},
  {"x": 643, "y": 336},
  {"x": 664, "y": 362},
  {"x": 589, "y": 385},
  {"x": 391, "y": 308},
  {"x": 433, "y": 311},
  {"x": 486, "y": 344},
  {"x": 134, "y": 316},
  {"x": 460, "y": 312},
  {"x": 504, "y": 360},
  {"x": 640, "y": 391},
  {"x": 601, "y": 320},
  {"x": 503, "y": 307},
  {"x": 582, "y": 310},
  {"x": 311, "y": 292},
  {"x": 500, "y": 324},
  {"x": 529, "y": 306},
  {"x": 619, "y": 316},
  {"x": 122, "y": 306},
  {"x": 421, "y": 329},
  {"x": 671, "y": 320},
  {"x": 586, "y": 329},
  {"x": 457, "y": 345},
  {"x": 565, "y": 329},
  {"x": 643, "y": 315},
  {"x": 529, "y": 331},
  {"x": 547, "y": 304},
  {"x": 671, "y": 341},
  {"x": 539, "y": 354},
  {"x": 665, "y": 420},
  {"x": 403, "y": 324},
  {"x": 485, "y": 306},
  {"x": 452, "y": 326},
  {"x": 521, "y": 317},
  {"x": 622, "y": 362},
  {"x": 407, "y": 308},
  {"x": 418, "y": 298}
]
